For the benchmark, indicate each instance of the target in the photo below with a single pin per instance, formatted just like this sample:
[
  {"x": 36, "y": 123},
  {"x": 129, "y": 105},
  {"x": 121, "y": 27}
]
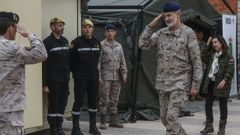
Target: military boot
[
  {"x": 76, "y": 129},
  {"x": 222, "y": 126},
  {"x": 60, "y": 129},
  {"x": 114, "y": 122},
  {"x": 208, "y": 128},
  {"x": 92, "y": 126},
  {"x": 103, "y": 121},
  {"x": 54, "y": 129}
]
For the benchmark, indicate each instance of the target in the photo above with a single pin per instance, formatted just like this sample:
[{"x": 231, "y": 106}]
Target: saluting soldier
[
  {"x": 84, "y": 55},
  {"x": 179, "y": 69},
  {"x": 13, "y": 57},
  {"x": 56, "y": 70}
]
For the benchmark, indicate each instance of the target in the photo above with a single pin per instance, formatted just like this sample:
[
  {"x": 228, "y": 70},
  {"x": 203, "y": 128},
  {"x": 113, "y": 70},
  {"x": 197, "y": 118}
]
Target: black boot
[
  {"x": 54, "y": 129},
  {"x": 76, "y": 129},
  {"x": 222, "y": 126},
  {"x": 92, "y": 127},
  {"x": 208, "y": 128},
  {"x": 60, "y": 130}
]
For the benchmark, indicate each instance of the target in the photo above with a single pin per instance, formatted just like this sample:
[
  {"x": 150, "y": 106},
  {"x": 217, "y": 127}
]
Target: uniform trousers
[
  {"x": 171, "y": 103},
  {"x": 109, "y": 96},
  {"x": 57, "y": 101},
  {"x": 11, "y": 123},
  {"x": 81, "y": 87}
]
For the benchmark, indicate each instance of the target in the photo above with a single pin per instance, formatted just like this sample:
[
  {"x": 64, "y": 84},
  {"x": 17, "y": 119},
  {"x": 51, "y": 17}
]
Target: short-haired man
[
  {"x": 84, "y": 55},
  {"x": 56, "y": 71},
  {"x": 113, "y": 70},
  {"x": 13, "y": 57},
  {"x": 179, "y": 69}
]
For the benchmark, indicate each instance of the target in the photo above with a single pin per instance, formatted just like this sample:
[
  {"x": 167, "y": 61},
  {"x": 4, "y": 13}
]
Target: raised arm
[
  {"x": 148, "y": 39},
  {"x": 29, "y": 55}
]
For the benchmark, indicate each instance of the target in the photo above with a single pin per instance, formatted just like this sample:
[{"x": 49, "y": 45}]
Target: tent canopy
[
  {"x": 118, "y": 4},
  {"x": 201, "y": 6}
]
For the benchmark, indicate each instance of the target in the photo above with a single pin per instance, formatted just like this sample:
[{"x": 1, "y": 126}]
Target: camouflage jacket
[
  {"x": 111, "y": 65},
  {"x": 178, "y": 55},
  {"x": 13, "y": 57}
]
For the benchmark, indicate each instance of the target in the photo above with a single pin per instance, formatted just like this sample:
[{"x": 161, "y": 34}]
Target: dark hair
[
  {"x": 4, "y": 26},
  {"x": 222, "y": 41}
]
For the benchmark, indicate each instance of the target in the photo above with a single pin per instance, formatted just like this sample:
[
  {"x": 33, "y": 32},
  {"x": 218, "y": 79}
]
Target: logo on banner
[{"x": 230, "y": 21}]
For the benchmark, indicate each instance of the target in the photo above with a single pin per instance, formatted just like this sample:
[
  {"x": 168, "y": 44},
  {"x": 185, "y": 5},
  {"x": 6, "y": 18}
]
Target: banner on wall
[{"x": 229, "y": 24}]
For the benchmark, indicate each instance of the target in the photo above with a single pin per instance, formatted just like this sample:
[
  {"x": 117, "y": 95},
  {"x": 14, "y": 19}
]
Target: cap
[
  {"x": 56, "y": 20},
  {"x": 171, "y": 6},
  {"x": 87, "y": 22},
  {"x": 110, "y": 26},
  {"x": 9, "y": 16}
]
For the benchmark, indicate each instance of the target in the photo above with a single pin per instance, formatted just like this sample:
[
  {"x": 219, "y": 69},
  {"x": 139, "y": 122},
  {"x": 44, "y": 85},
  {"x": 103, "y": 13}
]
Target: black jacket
[
  {"x": 57, "y": 66},
  {"x": 84, "y": 55}
]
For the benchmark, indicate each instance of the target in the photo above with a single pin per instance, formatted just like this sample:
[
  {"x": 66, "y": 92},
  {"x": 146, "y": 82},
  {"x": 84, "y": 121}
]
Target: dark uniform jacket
[
  {"x": 226, "y": 70},
  {"x": 84, "y": 55},
  {"x": 57, "y": 66}
]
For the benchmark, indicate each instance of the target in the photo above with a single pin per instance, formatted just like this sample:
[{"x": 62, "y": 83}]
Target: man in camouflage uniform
[
  {"x": 179, "y": 69},
  {"x": 13, "y": 58},
  {"x": 113, "y": 70}
]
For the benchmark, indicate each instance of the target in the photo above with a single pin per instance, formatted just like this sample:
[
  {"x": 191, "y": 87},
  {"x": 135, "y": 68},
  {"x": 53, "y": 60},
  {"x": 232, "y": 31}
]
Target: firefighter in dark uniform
[
  {"x": 56, "y": 70},
  {"x": 84, "y": 55}
]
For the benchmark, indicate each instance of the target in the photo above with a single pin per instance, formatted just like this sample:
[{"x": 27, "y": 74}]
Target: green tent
[{"x": 139, "y": 97}]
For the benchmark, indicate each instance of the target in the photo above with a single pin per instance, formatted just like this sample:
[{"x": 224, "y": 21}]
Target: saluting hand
[
  {"x": 23, "y": 31},
  {"x": 155, "y": 21}
]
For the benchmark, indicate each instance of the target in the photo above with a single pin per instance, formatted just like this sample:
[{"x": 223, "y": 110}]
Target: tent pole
[{"x": 136, "y": 68}]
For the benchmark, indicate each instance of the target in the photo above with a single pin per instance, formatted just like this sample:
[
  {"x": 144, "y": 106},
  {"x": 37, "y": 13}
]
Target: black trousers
[
  {"x": 209, "y": 103},
  {"x": 57, "y": 101},
  {"x": 91, "y": 87}
]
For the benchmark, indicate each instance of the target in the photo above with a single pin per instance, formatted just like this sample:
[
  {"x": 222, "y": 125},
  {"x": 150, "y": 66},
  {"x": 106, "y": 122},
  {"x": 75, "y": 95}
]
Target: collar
[
  {"x": 217, "y": 54},
  {"x": 177, "y": 32},
  {"x": 109, "y": 44},
  {"x": 55, "y": 37},
  {"x": 3, "y": 38}
]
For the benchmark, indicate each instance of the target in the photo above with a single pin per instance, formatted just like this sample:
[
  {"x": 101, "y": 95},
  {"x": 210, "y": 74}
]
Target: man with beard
[
  {"x": 179, "y": 69},
  {"x": 56, "y": 70}
]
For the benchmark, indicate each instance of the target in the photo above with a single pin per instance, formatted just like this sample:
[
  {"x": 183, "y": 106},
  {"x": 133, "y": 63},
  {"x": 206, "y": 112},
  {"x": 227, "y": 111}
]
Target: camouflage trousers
[
  {"x": 109, "y": 96},
  {"x": 11, "y": 123},
  {"x": 171, "y": 103}
]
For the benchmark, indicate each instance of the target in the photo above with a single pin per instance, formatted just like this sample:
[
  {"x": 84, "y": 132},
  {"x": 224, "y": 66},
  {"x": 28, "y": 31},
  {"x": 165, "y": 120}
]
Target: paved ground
[{"x": 192, "y": 124}]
